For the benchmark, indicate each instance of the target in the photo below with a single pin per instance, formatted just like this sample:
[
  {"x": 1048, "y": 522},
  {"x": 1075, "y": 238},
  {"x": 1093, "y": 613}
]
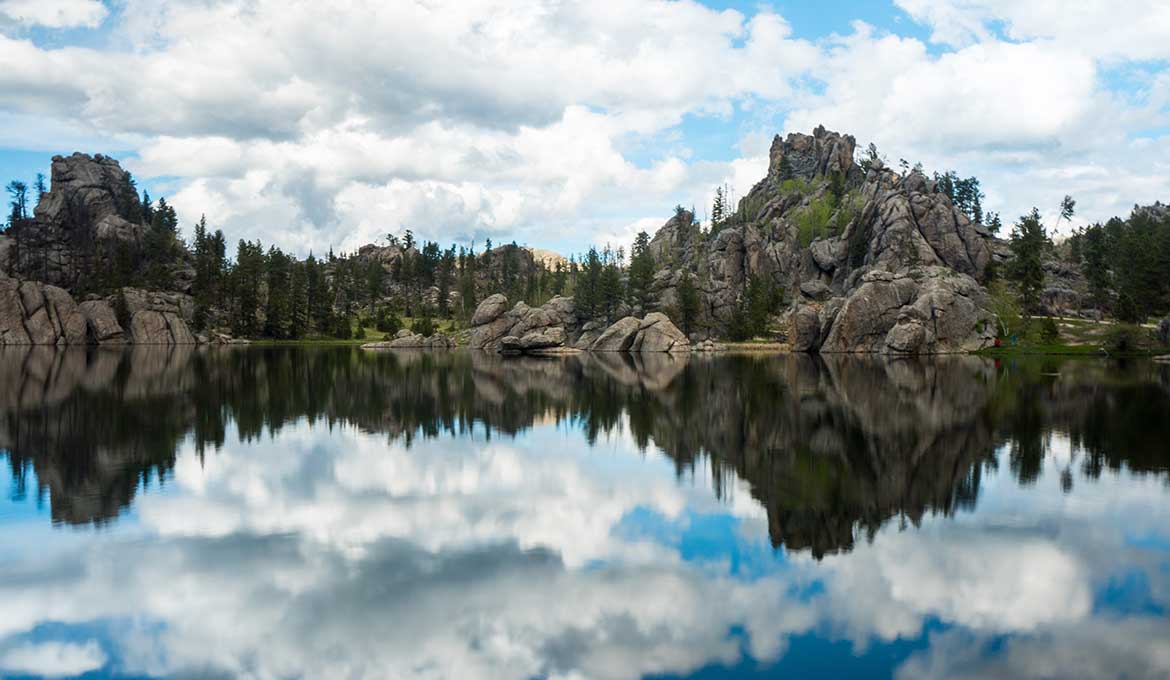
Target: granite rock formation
[
  {"x": 554, "y": 327},
  {"x": 406, "y": 339},
  {"x": 33, "y": 313},
  {"x": 884, "y": 249}
]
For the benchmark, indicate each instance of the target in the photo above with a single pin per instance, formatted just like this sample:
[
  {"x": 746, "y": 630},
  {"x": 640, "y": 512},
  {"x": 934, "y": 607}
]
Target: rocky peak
[
  {"x": 810, "y": 156},
  {"x": 673, "y": 236},
  {"x": 88, "y": 190}
]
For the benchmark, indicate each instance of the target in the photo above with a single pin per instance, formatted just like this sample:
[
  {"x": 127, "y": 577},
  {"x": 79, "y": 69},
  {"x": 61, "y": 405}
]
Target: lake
[{"x": 333, "y": 513}]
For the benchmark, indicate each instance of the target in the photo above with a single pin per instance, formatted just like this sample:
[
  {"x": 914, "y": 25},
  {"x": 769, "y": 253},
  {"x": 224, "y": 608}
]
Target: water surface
[{"x": 329, "y": 513}]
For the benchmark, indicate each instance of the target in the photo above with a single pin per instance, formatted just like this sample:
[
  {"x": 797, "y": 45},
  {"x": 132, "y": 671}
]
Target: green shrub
[
  {"x": 387, "y": 322},
  {"x": 1124, "y": 338},
  {"x": 342, "y": 328},
  {"x": 794, "y": 186},
  {"x": 1049, "y": 331},
  {"x": 813, "y": 221},
  {"x": 424, "y": 325}
]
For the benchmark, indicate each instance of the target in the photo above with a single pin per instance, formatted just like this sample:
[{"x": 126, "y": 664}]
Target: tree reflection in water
[{"x": 832, "y": 447}]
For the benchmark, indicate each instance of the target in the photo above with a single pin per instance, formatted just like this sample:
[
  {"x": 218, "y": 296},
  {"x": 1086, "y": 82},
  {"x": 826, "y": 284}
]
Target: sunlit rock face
[{"x": 886, "y": 250}]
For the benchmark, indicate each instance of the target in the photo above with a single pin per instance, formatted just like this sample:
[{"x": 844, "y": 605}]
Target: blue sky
[{"x": 565, "y": 124}]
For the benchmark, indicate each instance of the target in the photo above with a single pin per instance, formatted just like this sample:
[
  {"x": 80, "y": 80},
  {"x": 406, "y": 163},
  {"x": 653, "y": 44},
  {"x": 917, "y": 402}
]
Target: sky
[{"x": 563, "y": 123}]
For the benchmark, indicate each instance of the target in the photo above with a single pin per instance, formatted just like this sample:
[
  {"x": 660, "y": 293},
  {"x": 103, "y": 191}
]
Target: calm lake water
[{"x": 329, "y": 513}]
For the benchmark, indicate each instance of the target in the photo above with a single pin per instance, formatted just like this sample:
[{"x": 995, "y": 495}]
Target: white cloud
[
  {"x": 55, "y": 13},
  {"x": 314, "y": 124},
  {"x": 1135, "y": 29},
  {"x": 53, "y": 659}
]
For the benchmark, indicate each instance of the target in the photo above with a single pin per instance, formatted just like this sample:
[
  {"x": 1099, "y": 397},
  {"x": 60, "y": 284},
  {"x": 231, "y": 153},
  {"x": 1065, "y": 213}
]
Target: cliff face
[
  {"x": 91, "y": 207},
  {"x": 884, "y": 255},
  {"x": 90, "y": 217}
]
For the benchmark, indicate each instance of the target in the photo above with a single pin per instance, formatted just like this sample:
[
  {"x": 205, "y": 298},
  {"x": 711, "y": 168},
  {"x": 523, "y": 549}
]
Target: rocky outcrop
[
  {"x": 158, "y": 318},
  {"x": 33, "y": 313},
  {"x": 656, "y": 333},
  {"x": 405, "y": 339},
  {"x": 91, "y": 211},
  {"x": 492, "y": 323},
  {"x": 619, "y": 337},
  {"x": 816, "y": 227},
  {"x": 101, "y": 323},
  {"x": 554, "y": 328},
  {"x": 930, "y": 311}
]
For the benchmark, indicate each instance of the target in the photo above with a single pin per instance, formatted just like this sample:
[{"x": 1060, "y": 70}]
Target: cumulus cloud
[
  {"x": 316, "y": 125},
  {"x": 53, "y": 659},
  {"x": 55, "y": 13}
]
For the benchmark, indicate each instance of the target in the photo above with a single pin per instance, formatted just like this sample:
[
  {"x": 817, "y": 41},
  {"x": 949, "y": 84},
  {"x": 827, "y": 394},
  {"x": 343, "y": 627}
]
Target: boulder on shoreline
[{"x": 409, "y": 340}]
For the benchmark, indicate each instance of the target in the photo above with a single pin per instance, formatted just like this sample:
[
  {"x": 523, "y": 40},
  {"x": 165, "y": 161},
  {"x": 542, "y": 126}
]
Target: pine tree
[
  {"x": 298, "y": 314},
  {"x": 587, "y": 295},
  {"x": 611, "y": 285},
  {"x": 687, "y": 314},
  {"x": 718, "y": 208},
  {"x": 641, "y": 273},
  {"x": 278, "y": 311},
  {"x": 1028, "y": 243}
]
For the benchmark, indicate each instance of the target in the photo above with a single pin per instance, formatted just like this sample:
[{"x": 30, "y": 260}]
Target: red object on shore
[{"x": 997, "y": 342}]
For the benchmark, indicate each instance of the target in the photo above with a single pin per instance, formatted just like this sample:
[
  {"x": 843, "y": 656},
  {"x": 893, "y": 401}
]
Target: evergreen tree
[
  {"x": 687, "y": 314},
  {"x": 375, "y": 282},
  {"x": 298, "y": 300},
  {"x": 718, "y": 209},
  {"x": 641, "y": 273},
  {"x": 587, "y": 295},
  {"x": 278, "y": 311},
  {"x": 611, "y": 285},
  {"x": 1028, "y": 243},
  {"x": 1095, "y": 264},
  {"x": 247, "y": 276},
  {"x": 18, "y": 191}
]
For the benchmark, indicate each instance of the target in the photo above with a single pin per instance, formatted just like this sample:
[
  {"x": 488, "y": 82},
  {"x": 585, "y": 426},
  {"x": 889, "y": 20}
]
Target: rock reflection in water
[{"x": 832, "y": 447}]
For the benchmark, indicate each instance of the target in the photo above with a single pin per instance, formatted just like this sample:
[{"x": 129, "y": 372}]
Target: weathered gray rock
[
  {"x": 33, "y": 313},
  {"x": 658, "y": 334},
  {"x": 553, "y": 324},
  {"x": 934, "y": 310},
  {"x": 490, "y": 309},
  {"x": 405, "y": 339},
  {"x": 804, "y": 332},
  {"x": 884, "y": 222},
  {"x": 619, "y": 337},
  {"x": 150, "y": 327},
  {"x": 545, "y": 338},
  {"x": 101, "y": 323}
]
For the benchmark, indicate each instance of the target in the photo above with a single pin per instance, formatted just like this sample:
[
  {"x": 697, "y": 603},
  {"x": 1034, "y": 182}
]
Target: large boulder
[
  {"x": 150, "y": 327},
  {"x": 658, "y": 334},
  {"x": 490, "y": 309},
  {"x": 405, "y": 339},
  {"x": 929, "y": 311},
  {"x": 33, "y": 313},
  {"x": 804, "y": 330},
  {"x": 545, "y": 338},
  {"x": 619, "y": 337},
  {"x": 553, "y": 324},
  {"x": 101, "y": 323}
]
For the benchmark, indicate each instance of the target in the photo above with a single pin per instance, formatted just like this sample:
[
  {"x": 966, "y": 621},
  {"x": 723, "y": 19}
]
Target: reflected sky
[{"x": 707, "y": 518}]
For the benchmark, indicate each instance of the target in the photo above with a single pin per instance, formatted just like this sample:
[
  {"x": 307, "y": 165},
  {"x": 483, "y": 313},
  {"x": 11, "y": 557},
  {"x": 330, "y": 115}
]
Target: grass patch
[{"x": 814, "y": 221}]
